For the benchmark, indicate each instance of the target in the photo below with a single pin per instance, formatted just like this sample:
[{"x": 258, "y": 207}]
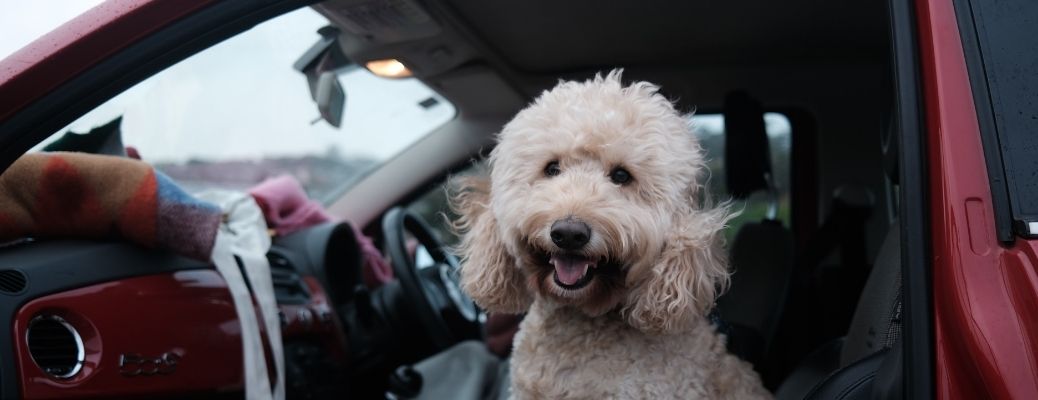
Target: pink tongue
[{"x": 569, "y": 270}]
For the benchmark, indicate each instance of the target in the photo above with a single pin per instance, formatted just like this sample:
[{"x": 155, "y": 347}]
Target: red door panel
[{"x": 984, "y": 293}]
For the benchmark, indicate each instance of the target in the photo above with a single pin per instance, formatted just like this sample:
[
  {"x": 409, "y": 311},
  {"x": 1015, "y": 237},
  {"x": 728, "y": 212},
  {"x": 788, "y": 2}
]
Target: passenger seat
[
  {"x": 846, "y": 368},
  {"x": 868, "y": 362}
]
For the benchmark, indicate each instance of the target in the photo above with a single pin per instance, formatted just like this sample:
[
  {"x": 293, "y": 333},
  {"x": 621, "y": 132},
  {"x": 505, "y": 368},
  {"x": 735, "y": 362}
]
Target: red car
[{"x": 884, "y": 156}]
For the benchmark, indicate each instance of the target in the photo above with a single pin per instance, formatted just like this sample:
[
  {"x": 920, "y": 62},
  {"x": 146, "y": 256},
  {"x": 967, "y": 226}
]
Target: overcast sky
[{"x": 241, "y": 99}]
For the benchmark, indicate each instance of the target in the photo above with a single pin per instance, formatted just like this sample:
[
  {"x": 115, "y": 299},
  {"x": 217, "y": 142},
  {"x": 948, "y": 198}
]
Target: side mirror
[{"x": 321, "y": 64}]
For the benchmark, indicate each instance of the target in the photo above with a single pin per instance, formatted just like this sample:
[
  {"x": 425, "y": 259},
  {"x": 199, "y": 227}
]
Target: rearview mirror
[
  {"x": 330, "y": 98},
  {"x": 322, "y": 64}
]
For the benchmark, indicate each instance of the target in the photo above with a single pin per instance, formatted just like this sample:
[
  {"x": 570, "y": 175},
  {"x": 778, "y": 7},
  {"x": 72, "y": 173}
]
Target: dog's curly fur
[{"x": 637, "y": 329}]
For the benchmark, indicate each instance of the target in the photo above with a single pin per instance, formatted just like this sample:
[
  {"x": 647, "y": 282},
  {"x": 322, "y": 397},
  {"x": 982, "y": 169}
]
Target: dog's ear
[
  {"x": 489, "y": 274},
  {"x": 692, "y": 270}
]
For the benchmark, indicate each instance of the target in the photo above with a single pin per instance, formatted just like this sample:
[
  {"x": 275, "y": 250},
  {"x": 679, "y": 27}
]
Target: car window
[
  {"x": 433, "y": 206},
  {"x": 238, "y": 113},
  {"x": 709, "y": 128},
  {"x": 1005, "y": 86},
  {"x": 25, "y": 21}
]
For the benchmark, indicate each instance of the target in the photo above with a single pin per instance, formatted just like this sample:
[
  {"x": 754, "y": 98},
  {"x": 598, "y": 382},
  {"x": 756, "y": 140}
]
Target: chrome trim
[{"x": 80, "y": 350}]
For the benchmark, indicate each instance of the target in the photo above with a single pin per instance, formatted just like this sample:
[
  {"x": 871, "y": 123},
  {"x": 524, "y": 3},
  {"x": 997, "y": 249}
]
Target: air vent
[
  {"x": 55, "y": 346},
  {"x": 288, "y": 286},
  {"x": 12, "y": 281}
]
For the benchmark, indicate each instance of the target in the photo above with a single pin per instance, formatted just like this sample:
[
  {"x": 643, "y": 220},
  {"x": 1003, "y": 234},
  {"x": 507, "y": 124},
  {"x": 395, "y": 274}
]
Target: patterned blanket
[{"x": 76, "y": 195}]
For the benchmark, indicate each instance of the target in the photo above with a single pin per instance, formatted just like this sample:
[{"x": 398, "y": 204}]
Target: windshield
[{"x": 238, "y": 113}]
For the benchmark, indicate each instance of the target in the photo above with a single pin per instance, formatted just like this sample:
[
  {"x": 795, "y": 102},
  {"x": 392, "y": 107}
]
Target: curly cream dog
[{"x": 592, "y": 222}]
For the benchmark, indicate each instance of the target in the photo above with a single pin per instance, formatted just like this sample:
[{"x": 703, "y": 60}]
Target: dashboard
[{"x": 106, "y": 318}]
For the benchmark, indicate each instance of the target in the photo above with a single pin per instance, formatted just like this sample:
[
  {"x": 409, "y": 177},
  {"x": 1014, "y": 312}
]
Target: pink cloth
[
  {"x": 286, "y": 206},
  {"x": 287, "y": 209}
]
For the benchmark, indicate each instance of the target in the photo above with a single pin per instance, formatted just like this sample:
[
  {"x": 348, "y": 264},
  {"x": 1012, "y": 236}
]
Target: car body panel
[
  {"x": 985, "y": 295},
  {"x": 86, "y": 40},
  {"x": 171, "y": 334}
]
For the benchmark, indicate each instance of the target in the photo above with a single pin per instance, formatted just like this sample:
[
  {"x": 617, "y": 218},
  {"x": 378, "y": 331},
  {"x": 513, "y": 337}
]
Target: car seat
[
  {"x": 867, "y": 362},
  {"x": 846, "y": 368}
]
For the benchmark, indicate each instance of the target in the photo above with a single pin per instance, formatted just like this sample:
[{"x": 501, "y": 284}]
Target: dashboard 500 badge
[{"x": 133, "y": 364}]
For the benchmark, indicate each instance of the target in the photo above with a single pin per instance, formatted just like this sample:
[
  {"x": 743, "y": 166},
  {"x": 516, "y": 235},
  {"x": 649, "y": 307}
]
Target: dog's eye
[
  {"x": 620, "y": 176},
  {"x": 552, "y": 169}
]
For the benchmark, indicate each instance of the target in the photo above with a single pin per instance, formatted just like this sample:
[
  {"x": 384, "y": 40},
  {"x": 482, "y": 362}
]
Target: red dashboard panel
[{"x": 173, "y": 334}]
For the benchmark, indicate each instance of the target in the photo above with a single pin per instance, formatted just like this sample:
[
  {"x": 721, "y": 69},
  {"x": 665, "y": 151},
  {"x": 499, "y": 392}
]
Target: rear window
[{"x": 709, "y": 128}]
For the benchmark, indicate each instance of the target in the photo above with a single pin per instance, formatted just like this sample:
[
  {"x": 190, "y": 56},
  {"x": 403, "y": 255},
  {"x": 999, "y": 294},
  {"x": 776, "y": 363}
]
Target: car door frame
[{"x": 93, "y": 58}]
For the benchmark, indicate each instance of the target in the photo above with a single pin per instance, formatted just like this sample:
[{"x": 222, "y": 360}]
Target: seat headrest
[{"x": 747, "y": 159}]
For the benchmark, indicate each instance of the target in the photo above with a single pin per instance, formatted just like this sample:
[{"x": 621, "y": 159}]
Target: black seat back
[
  {"x": 869, "y": 360},
  {"x": 876, "y": 324},
  {"x": 866, "y": 364}
]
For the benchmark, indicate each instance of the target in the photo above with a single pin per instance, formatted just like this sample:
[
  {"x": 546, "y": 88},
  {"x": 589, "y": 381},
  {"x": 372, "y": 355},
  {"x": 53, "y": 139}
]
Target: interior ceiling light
[{"x": 388, "y": 68}]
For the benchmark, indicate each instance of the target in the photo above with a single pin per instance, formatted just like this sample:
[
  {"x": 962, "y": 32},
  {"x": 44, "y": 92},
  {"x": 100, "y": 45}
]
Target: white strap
[
  {"x": 257, "y": 383},
  {"x": 244, "y": 234}
]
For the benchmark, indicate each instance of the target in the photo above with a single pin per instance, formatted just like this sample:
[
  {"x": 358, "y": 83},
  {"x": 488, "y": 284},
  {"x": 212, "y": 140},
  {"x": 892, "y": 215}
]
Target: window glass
[
  {"x": 238, "y": 113},
  {"x": 1007, "y": 35},
  {"x": 709, "y": 128},
  {"x": 25, "y": 21},
  {"x": 434, "y": 207}
]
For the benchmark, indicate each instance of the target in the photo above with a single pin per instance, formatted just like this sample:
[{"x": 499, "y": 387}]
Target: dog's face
[
  {"x": 586, "y": 182},
  {"x": 591, "y": 200}
]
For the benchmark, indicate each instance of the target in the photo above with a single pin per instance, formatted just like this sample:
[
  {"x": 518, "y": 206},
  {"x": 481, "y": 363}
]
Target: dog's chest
[{"x": 583, "y": 358}]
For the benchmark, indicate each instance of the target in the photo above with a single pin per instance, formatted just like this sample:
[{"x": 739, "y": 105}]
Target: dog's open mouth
[
  {"x": 572, "y": 271},
  {"x": 589, "y": 281}
]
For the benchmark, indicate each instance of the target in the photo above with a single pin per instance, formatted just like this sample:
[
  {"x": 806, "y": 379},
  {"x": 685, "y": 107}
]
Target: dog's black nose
[{"x": 570, "y": 234}]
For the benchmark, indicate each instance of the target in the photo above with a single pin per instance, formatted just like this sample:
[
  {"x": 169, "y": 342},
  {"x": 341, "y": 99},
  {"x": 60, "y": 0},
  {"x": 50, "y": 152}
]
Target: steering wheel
[{"x": 447, "y": 314}]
